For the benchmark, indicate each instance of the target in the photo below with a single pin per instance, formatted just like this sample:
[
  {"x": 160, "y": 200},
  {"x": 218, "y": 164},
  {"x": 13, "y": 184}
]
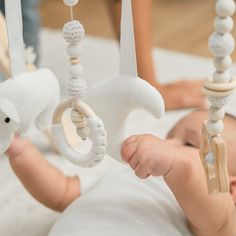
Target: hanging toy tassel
[{"x": 218, "y": 89}]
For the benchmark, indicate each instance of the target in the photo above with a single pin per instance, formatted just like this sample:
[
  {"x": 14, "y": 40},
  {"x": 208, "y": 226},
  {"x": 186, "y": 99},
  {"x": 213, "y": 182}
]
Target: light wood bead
[
  {"x": 221, "y": 77},
  {"x": 74, "y": 60},
  {"x": 216, "y": 114},
  {"x": 225, "y": 8},
  {"x": 222, "y": 63},
  {"x": 214, "y": 128},
  {"x": 224, "y": 25},
  {"x": 76, "y": 70},
  {"x": 70, "y": 3},
  {"x": 74, "y": 50}
]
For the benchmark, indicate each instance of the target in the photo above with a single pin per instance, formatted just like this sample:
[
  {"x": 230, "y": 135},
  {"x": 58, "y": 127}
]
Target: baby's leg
[{"x": 45, "y": 182}]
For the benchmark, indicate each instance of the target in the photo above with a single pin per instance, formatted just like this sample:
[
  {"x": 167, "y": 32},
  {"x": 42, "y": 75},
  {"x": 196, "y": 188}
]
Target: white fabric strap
[
  {"x": 128, "y": 64},
  {"x": 15, "y": 36}
]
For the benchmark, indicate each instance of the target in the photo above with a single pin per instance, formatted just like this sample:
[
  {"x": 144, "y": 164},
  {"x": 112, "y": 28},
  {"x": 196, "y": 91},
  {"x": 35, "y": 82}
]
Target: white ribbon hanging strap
[
  {"x": 128, "y": 64},
  {"x": 15, "y": 36}
]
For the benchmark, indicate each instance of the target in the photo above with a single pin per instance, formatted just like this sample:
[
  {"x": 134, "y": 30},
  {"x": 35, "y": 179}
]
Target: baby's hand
[
  {"x": 148, "y": 155},
  {"x": 17, "y": 148}
]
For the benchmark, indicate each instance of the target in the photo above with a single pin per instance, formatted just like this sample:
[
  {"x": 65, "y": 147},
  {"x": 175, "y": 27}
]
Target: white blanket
[{"x": 20, "y": 214}]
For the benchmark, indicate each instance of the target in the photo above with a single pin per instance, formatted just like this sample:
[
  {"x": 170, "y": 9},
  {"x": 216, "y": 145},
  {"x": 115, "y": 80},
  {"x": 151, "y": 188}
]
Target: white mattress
[{"x": 22, "y": 215}]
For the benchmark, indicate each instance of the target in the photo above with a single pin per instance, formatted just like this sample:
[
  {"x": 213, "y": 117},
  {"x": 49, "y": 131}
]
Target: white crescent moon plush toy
[
  {"x": 114, "y": 99},
  {"x": 27, "y": 98}
]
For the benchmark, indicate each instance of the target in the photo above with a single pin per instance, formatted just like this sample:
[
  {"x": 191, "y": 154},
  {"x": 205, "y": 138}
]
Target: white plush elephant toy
[{"x": 28, "y": 99}]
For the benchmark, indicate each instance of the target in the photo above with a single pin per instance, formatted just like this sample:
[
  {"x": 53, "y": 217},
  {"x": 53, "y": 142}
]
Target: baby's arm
[
  {"x": 182, "y": 171},
  {"x": 45, "y": 182}
]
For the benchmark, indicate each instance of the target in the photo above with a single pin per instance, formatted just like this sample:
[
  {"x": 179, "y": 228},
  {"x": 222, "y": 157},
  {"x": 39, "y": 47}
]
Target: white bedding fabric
[{"x": 20, "y": 214}]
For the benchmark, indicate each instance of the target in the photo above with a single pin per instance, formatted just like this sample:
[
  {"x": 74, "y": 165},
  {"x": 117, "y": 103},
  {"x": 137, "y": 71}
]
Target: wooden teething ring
[{"x": 97, "y": 135}]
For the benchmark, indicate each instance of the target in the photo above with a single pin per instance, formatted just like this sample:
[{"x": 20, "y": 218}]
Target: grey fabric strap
[
  {"x": 15, "y": 36},
  {"x": 128, "y": 64}
]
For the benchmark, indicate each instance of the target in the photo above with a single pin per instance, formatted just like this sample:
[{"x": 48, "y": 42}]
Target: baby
[{"x": 176, "y": 159}]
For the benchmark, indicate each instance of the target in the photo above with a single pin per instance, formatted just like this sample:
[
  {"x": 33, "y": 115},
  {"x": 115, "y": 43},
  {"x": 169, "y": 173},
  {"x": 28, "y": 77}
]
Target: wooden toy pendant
[
  {"x": 112, "y": 100},
  {"x": 218, "y": 89}
]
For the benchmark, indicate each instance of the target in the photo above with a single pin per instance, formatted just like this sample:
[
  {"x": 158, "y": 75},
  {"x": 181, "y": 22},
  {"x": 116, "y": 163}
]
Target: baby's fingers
[{"x": 129, "y": 148}]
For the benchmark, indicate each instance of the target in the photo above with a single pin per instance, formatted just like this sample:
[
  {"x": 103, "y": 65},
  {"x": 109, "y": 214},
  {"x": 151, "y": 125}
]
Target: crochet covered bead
[
  {"x": 221, "y": 45},
  {"x": 218, "y": 101},
  {"x": 76, "y": 87},
  {"x": 73, "y": 31},
  {"x": 216, "y": 114}
]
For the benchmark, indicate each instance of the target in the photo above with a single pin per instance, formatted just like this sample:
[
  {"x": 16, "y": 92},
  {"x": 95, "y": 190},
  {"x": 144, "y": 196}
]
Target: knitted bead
[
  {"x": 225, "y": 8},
  {"x": 76, "y": 87},
  {"x": 76, "y": 70},
  {"x": 221, "y": 45},
  {"x": 218, "y": 102},
  {"x": 74, "y": 50},
  {"x": 70, "y": 3},
  {"x": 222, "y": 64},
  {"x": 73, "y": 32},
  {"x": 224, "y": 25},
  {"x": 221, "y": 77},
  {"x": 216, "y": 114},
  {"x": 215, "y": 128}
]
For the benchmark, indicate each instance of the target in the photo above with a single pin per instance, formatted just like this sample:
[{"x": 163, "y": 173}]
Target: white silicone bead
[
  {"x": 222, "y": 63},
  {"x": 218, "y": 101},
  {"x": 76, "y": 87},
  {"x": 74, "y": 50},
  {"x": 70, "y": 3},
  {"x": 221, "y": 45},
  {"x": 225, "y": 8},
  {"x": 224, "y": 25},
  {"x": 216, "y": 114},
  {"x": 73, "y": 32},
  {"x": 215, "y": 128},
  {"x": 76, "y": 70},
  {"x": 221, "y": 77}
]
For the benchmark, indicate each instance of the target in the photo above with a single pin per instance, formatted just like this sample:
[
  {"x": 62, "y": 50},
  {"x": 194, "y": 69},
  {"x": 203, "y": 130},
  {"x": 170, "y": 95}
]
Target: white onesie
[
  {"x": 120, "y": 204},
  {"x": 116, "y": 203}
]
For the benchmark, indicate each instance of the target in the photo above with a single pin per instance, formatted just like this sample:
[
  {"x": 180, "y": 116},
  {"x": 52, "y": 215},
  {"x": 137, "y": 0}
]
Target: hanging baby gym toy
[
  {"x": 112, "y": 99},
  {"x": 218, "y": 88},
  {"x": 27, "y": 98}
]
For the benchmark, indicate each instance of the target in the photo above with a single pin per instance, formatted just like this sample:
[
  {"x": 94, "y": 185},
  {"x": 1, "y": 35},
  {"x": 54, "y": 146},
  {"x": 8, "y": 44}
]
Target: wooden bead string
[
  {"x": 73, "y": 32},
  {"x": 218, "y": 89}
]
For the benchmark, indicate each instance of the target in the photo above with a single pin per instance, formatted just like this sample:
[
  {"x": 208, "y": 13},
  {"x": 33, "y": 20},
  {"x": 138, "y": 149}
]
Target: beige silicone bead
[
  {"x": 215, "y": 128},
  {"x": 216, "y": 114},
  {"x": 222, "y": 63},
  {"x": 224, "y": 25},
  {"x": 225, "y": 8},
  {"x": 221, "y": 77}
]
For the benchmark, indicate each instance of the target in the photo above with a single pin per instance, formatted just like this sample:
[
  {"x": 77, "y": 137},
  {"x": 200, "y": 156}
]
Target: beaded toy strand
[
  {"x": 218, "y": 89},
  {"x": 87, "y": 123}
]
